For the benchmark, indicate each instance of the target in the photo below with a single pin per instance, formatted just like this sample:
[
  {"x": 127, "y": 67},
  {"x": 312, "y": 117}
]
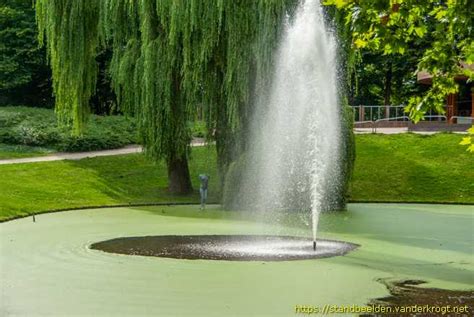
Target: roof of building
[{"x": 423, "y": 77}]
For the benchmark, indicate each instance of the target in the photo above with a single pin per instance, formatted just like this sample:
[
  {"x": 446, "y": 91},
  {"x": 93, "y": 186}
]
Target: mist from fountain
[{"x": 295, "y": 134}]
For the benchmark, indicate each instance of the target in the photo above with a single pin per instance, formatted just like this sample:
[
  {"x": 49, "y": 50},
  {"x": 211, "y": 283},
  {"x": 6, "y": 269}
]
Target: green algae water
[{"x": 47, "y": 267}]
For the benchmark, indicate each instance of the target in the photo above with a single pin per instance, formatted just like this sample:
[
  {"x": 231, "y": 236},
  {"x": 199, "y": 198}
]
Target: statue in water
[{"x": 204, "y": 179}]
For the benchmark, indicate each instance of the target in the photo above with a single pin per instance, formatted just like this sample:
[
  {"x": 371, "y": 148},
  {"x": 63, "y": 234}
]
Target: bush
[
  {"x": 339, "y": 194},
  {"x": 199, "y": 129},
  {"x": 232, "y": 194},
  {"x": 38, "y": 127}
]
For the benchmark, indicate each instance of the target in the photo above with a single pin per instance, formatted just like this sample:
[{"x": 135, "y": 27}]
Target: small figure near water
[{"x": 204, "y": 179}]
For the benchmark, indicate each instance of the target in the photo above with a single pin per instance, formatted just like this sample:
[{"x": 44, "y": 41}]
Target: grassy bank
[
  {"x": 412, "y": 168},
  {"x": 400, "y": 167},
  {"x": 32, "y": 187}
]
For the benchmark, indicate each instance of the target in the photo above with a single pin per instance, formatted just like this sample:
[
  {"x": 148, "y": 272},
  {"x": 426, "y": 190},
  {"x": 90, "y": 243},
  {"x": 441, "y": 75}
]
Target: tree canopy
[
  {"x": 24, "y": 75},
  {"x": 168, "y": 57},
  {"x": 395, "y": 26}
]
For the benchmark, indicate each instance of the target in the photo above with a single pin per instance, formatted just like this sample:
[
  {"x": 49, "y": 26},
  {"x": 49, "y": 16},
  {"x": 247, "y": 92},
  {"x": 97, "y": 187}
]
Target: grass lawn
[
  {"x": 112, "y": 180},
  {"x": 402, "y": 167},
  {"x": 412, "y": 168}
]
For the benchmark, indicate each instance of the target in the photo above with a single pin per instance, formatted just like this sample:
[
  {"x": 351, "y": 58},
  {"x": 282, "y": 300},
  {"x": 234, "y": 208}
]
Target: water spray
[{"x": 294, "y": 154}]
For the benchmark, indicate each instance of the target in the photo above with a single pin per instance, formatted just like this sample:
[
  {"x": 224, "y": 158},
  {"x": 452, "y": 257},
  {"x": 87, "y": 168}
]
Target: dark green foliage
[
  {"x": 347, "y": 159},
  {"x": 384, "y": 80},
  {"x": 104, "y": 101},
  {"x": 24, "y": 75},
  {"x": 373, "y": 78},
  {"x": 18, "y": 46},
  {"x": 199, "y": 129},
  {"x": 233, "y": 193},
  {"x": 38, "y": 127}
]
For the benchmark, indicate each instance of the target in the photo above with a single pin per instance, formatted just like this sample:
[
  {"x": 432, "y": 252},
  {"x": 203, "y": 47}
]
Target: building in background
[{"x": 460, "y": 104}]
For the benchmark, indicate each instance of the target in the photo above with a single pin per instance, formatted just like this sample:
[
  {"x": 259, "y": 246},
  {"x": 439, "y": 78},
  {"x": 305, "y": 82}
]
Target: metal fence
[
  {"x": 373, "y": 117},
  {"x": 372, "y": 113}
]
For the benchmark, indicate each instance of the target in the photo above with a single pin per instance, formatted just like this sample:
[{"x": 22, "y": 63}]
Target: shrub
[
  {"x": 199, "y": 129},
  {"x": 339, "y": 194},
  {"x": 38, "y": 127},
  {"x": 232, "y": 191}
]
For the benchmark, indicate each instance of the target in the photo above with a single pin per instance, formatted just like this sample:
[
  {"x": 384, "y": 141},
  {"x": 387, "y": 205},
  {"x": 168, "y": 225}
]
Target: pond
[{"x": 47, "y": 267}]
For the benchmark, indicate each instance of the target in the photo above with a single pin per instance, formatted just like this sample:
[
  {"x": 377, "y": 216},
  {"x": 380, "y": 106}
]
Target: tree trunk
[
  {"x": 388, "y": 84},
  {"x": 178, "y": 176},
  {"x": 388, "y": 89}
]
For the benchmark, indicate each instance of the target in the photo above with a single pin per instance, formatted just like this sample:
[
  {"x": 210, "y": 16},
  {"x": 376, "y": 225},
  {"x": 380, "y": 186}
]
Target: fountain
[
  {"x": 295, "y": 138},
  {"x": 292, "y": 163},
  {"x": 224, "y": 247}
]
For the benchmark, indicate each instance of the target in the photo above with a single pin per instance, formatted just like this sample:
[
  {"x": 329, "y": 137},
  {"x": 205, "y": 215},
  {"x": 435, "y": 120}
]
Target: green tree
[
  {"x": 24, "y": 75},
  {"x": 393, "y": 26},
  {"x": 373, "y": 78},
  {"x": 168, "y": 57},
  {"x": 469, "y": 140},
  {"x": 379, "y": 79}
]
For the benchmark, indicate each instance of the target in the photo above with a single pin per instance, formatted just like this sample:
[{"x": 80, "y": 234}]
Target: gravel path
[
  {"x": 81, "y": 155},
  {"x": 137, "y": 149}
]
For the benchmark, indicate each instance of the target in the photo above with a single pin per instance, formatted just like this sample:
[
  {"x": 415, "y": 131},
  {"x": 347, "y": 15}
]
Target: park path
[
  {"x": 81, "y": 155},
  {"x": 73, "y": 156},
  {"x": 137, "y": 149}
]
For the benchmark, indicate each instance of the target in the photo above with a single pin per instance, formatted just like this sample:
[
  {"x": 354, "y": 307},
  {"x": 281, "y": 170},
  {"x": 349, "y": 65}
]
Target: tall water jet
[{"x": 293, "y": 157}]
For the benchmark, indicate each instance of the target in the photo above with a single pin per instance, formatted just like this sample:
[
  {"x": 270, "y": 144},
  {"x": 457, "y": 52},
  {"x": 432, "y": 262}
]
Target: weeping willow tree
[
  {"x": 168, "y": 57},
  {"x": 72, "y": 42}
]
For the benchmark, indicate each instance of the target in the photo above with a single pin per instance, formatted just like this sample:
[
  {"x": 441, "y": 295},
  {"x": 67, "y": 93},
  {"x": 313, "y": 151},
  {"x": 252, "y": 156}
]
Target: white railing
[
  {"x": 406, "y": 118},
  {"x": 372, "y": 113},
  {"x": 371, "y": 123},
  {"x": 468, "y": 120},
  {"x": 374, "y": 124}
]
